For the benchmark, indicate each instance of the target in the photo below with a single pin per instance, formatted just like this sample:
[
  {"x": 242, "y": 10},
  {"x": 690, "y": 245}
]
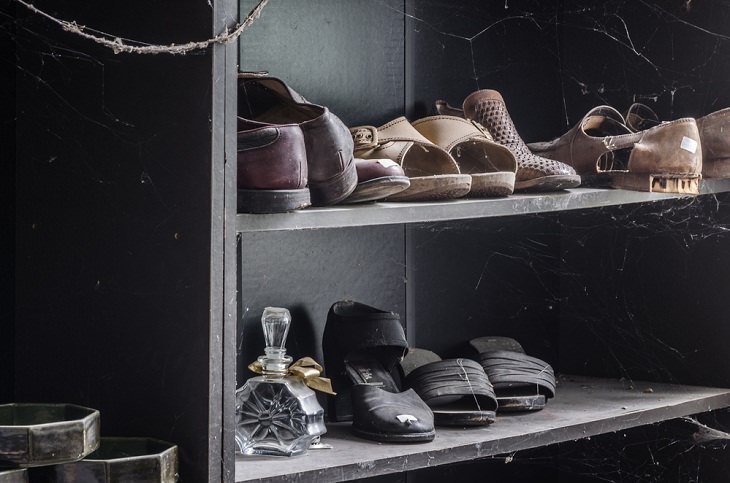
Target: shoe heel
[
  {"x": 716, "y": 168},
  {"x": 657, "y": 183},
  {"x": 339, "y": 407},
  {"x": 335, "y": 189},
  {"x": 272, "y": 201}
]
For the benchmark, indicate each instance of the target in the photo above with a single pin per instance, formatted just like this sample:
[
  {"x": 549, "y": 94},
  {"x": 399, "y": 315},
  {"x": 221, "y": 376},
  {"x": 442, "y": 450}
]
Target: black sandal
[
  {"x": 457, "y": 390},
  {"x": 521, "y": 382},
  {"x": 361, "y": 346}
]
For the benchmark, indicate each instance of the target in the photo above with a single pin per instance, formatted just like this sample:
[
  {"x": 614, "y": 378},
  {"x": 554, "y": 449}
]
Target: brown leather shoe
[
  {"x": 714, "y": 131},
  {"x": 272, "y": 168},
  {"x": 715, "y": 135},
  {"x": 583, "y": 147},
  {"x": 604, "y": 151},
  {"x": 534, "y": 173},
  {"x": 330, "y": 160}
]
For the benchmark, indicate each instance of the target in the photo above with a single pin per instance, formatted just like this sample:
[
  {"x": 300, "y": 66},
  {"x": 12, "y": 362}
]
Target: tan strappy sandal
[
  {"x": 433, "y": 173},
  {"x": 534, "y": 173},
  {"x": 492, "y": 166}
]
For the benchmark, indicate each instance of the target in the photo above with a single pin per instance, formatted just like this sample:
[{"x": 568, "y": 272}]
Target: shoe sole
[
  {"x": 272, "y": 201},
  {"x": 484, "y": 185},
  {"x": 434, "y": 188},
  {"x": 378, "y": 189},
  {"x": 395, "y": 438},
  {"x": 334, "y": 190},
  {"x": 549, "y": 183}
]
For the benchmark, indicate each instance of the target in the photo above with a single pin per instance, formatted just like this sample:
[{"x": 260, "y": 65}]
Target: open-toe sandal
[
  {"x": 606, "y": 152},
  {"x": 362, "y": 345},
  {"x": 521, "y": 382},
  {"x": 492, "y": 166},
  {"x": 433, "y": 173},
  {"x": 457, "y": 390},
  {"x": 534, "y": 173}
]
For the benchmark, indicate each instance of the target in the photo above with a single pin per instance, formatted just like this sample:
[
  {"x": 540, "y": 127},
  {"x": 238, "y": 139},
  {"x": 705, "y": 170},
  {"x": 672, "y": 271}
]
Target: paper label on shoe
[
  {"x": 688, "y": 144},
  {"x": 387, "y": 163}
]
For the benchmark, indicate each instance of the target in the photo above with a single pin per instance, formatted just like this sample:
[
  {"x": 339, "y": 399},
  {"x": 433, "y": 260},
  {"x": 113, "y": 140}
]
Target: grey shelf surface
[
  {"x": 384, "y": 213},
  {"x": 583, "y": 407}
]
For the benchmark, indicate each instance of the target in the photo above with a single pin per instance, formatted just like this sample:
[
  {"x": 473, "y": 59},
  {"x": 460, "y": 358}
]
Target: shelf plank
[
  {"x": 384, "y": 213},
  {"x": 583, "y": 407}
]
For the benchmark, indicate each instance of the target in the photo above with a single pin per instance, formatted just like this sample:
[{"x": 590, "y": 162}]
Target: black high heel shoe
[{"x": 361, "y": 346}]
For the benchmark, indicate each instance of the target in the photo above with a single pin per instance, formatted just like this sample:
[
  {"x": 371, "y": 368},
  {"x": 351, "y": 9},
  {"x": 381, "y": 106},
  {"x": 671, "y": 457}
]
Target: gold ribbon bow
[{"x": 305, "y": 369}]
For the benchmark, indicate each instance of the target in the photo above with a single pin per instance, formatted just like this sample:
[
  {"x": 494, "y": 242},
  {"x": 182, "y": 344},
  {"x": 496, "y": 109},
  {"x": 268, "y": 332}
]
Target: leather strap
[{"x": 509, "y": 369}]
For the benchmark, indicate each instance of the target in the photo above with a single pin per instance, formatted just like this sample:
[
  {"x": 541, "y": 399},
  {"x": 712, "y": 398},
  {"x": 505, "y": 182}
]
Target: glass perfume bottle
[{"x": 277, "y": 414}]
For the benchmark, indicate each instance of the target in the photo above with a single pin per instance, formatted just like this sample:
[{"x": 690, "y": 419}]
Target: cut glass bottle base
[{"x": 277, "y": 417}]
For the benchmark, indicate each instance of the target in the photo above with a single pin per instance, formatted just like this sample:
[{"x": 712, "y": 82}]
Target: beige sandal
[
  {"x": 433, "y": 173},
  {"x": 534, "y": 173},
  {"x": 492, "y": 166}
]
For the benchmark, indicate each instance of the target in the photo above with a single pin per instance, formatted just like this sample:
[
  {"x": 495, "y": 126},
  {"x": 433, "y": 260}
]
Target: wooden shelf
[
  {"x": 583, "y": 407},
  {"x": 383, "y": 213}
]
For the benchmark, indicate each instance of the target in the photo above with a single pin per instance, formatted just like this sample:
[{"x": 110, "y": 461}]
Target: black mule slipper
[
  {"x": 361, "y": 346},
  {"x": 521, "y": 382},
  {"x": 458, "y": 390}
]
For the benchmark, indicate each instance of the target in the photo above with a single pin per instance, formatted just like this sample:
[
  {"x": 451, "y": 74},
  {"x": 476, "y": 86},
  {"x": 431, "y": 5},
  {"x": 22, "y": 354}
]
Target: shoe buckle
[
  {"x": 482, "y": 129},
  {"x": 365, "y": 137}
]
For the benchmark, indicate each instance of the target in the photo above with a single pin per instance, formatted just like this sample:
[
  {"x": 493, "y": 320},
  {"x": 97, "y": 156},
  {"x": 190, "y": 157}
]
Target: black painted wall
[{"x": 115, "y": 239}]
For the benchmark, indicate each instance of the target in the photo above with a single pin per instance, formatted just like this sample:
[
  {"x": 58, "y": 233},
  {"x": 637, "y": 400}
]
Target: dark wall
[
  {"x": 553, "y": 61},
  {"x": 645, "y": 291},
  {"x": 347, "y": 55},
  {"x": 113, "y": 229}
]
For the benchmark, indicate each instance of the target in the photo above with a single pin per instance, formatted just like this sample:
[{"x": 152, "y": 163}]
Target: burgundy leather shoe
[
  {"x": 272, "y": 168},
  {"x": 377, "y": 179},
  {"x": 329, "y": 145}
]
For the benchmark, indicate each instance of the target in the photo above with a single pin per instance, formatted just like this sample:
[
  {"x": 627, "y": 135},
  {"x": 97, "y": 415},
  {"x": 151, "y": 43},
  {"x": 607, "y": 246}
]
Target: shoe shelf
[
  {"x": 583, "y": 407},
  {"x": 384, "y": 213}
]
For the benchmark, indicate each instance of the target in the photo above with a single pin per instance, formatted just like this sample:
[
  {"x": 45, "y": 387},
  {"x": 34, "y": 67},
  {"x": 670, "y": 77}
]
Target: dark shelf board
[
  {"x": 583, "y": 407},
  {"x": 383, "y": 213}
]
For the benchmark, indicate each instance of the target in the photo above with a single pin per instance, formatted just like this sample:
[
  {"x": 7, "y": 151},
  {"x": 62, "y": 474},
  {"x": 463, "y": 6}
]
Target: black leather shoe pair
[
  {"x": 271, "y": 118},
  {"x": 362, "y": 345}
]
